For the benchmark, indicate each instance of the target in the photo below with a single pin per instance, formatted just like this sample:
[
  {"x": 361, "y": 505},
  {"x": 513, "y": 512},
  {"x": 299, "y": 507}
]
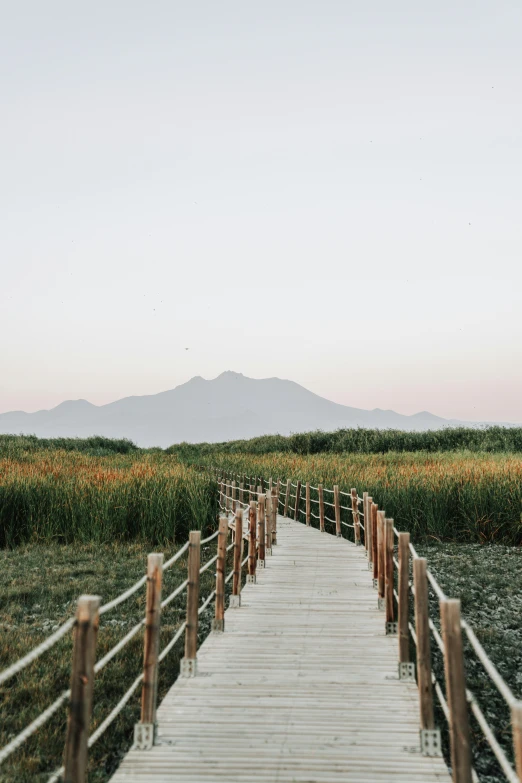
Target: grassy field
[
  {"x": 363, "y": 441},
  {"x": 79, "y": 516},
  {"x": 486, "y": 579},
  {"x": 49, "y": 494},
  {"x": 453, "y": 496},
  {"x": 39, "y": 587}
]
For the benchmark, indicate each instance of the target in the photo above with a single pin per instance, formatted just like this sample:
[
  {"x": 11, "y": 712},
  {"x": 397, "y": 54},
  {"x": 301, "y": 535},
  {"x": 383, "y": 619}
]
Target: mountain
[{"x": 228, "y": 407}]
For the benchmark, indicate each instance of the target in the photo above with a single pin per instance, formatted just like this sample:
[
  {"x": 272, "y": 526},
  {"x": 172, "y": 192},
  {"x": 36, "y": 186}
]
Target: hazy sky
[{"x": 324, "y": 191}]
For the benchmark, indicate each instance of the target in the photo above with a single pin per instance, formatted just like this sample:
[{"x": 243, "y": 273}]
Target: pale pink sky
[{"x": 327, "y": 192}]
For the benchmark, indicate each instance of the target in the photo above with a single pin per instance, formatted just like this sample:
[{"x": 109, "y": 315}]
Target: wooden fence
[
  {"x": 249, "y": 509},
  {"x": 399, "y": 575},
  {"x": 84, "y": 627}
]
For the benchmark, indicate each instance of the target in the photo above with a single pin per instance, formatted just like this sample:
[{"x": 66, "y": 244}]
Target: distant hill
[{"x": 229, "y": 407}]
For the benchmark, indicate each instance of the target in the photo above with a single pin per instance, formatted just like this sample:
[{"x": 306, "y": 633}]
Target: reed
[
  {"x": 452, "y": 496},
  {"x": 65, "y": 496}
]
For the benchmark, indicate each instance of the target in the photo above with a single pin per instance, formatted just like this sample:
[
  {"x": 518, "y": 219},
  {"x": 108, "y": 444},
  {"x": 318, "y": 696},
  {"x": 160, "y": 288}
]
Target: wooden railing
[
  {"x": 249, "y": 507},
  {"x": 395, "y": 580},
  {"x": 84, "y": 627}
]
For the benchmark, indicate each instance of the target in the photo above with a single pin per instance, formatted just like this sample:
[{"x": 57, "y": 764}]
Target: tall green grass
[
  {"x": 66, "y": 496},
  {"x": 461, "y": 496},
  {"x": 363, "y": 441},
  {"x": 97, "y": 445}
]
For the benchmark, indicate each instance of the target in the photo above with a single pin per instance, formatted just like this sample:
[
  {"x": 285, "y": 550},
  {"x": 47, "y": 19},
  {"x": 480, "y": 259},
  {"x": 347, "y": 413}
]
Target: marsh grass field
[
  {"x": 59, "y": 495},
  {"x": 487, "y": 580},
  {"x": 80, "y": 516},
  {"x": 39, "y": 587},
  {"x": 442, "y": 496}
]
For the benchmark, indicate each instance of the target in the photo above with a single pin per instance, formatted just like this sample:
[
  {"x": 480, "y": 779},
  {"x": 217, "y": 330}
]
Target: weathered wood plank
[{"x": 301, "y": 687}]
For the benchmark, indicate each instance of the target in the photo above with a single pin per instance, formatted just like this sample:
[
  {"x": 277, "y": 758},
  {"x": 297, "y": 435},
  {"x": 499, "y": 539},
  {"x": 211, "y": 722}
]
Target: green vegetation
[
  {"x": 39, "y": 587},
  {"x": 79, "y": 516},
  {"x": 486, "y": 579},
  {"x": 362, "y": 441},
  {"x": 56, "y": 495},
  {"x": 97, "y": 446},
  {"x": 455, "y": 496}
]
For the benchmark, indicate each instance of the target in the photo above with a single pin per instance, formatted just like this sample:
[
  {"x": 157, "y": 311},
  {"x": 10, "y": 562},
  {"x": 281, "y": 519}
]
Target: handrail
[
  {"x": 55, "y": 637},
  {"x": 37, "y": 651},
  {"x": 47, "y": 713},
  {"x": 488, "y": 666},
  {"x": 389, "y": 596}
]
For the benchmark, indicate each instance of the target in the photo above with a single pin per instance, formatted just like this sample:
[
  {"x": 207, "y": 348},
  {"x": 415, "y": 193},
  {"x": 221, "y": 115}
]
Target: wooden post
[
  {"x": 456, "y": 690},
  {"x": 380, "y": 556},
  {"x": 388, "y": 573},
  {"x": 365, "y": 513},
  {"x": 236, "y": 579},
  {"x": 404, "y": 602},
  {"x": 516, "y": 725},
  {"x": 274, "y": 516},
  {"x": 188, "y": 663},
  {"x": 297, "y": 501},
  {"x": 321, "y": 507},
  {"x": 222, "y": 494},
  {"x": 308, "y": 518},
  {"x": 251, "y": 492},
  {"x": 227, "y": 488},
  {"x": 337, "y": 509},
  {"x": 149, "y": 690},
  {"x": 82, "y": 681},
  {"x": 355, "y": 517},
  {"x": 241, "y": 493},
  {"x": 422, "y": 630},
  {"x": 368, "y": 538},
  {"x": 287, "y": 497},
  {"x": 278, "y": 488},
  {"x": 268, "y": 523},
  {"x": 375, "y": 542},
  {"x": 233, "y": 493},
  {"x": 219, "y": 617},
  {"x": 261, "y": 528},
  {"x": 252, "y": 541},
  {"x": 262, "y": 482}
]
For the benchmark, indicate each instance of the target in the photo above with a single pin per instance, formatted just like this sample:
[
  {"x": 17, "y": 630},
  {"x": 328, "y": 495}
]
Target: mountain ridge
[{"x": 231, "y": 406}]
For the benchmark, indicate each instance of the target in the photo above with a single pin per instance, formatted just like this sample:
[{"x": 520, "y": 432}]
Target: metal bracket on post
[
  {"x": 374, "y": 581},
  {"x": 391, "y": 629},
  {"x": 188, "y": 667},
  {"x": 430, "y": 742},
  {"x": 268, "y": 550},
  {"x": 381, "y": 604},
  {"x": 358, "y": 543},
  {"x": 218, "y": 625},
  {"x": 370, "y": 567},
  {"x": 407, "y": 672},
  {"x": 260, "y": 563},
  {"x": 339, "y": 535},
  {"x": 144, "y": 736},
  {"x": 235, "y": 601},
  {"x": 251, "y": 579}
]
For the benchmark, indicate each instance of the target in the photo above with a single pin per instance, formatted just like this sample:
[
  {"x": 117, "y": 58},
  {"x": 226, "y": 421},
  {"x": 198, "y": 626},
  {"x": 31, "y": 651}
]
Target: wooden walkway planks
[{"x": 302, "y": 686}]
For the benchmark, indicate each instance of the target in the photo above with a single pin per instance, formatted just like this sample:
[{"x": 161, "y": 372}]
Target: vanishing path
[{"x": 302, "y": 685}]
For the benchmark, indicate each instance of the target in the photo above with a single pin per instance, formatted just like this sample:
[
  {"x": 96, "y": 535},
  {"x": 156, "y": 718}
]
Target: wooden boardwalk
[{"x": 302, "y": 686}]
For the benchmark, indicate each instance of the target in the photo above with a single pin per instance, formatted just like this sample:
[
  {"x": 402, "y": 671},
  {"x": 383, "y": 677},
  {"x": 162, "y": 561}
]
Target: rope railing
[
  {"x": 392, "y": 581},
  {"x": 84, "y": 637},
  {"x": 176, "y": 557},
  {"x": 37, "y": 651},
  {"x": 260, "y": 533}
]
